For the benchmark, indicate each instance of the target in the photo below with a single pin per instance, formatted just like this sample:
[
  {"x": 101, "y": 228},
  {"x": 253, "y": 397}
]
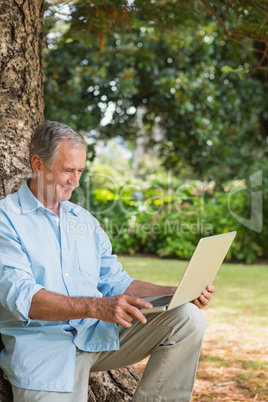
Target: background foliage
[
  {"x": 147, "y": 79},
  {"x": 166, "y": 216},
  {"x": 173, "y": 77}
]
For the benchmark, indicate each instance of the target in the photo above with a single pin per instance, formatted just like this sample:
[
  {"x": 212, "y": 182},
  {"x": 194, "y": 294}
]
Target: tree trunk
[
  {"x": 21, "y": 110},
  {"x": 108, "y": 386},
  {"x": 262, "y": 76},
  {"x": 21, "y": 85}
]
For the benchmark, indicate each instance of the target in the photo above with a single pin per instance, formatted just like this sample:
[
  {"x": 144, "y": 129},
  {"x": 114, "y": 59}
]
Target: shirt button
[{"x": 66, "y": 274}]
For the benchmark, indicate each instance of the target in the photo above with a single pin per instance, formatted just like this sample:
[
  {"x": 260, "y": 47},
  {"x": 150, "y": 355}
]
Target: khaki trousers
[{"x": 173, "y": 339}]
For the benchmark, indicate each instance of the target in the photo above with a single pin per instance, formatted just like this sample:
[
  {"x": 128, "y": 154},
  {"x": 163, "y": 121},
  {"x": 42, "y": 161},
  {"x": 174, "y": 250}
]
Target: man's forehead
[
  {"x": 68, "y": 143},
  {"x": 70, "y": 155}
]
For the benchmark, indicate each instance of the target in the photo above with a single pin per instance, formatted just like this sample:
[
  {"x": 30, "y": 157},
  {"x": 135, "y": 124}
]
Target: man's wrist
[
  {"x": 171, "y": 290},
  {"x": 91, "y": 307}
]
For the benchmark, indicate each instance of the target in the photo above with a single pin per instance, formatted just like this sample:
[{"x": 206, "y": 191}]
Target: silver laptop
[{"x": 200, "y": 272}]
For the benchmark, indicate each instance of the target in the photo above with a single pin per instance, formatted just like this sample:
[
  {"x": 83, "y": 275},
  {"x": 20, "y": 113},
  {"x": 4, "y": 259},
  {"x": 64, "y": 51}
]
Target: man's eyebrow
[{"x": 72, "y": 168}]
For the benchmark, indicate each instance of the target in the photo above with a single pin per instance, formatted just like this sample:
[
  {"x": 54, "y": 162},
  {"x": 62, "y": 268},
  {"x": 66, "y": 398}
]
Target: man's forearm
[
  {"x": 146, "y": 289},
  {"x": 49, "y": 306},
  {"x": 120, "y": 309}
]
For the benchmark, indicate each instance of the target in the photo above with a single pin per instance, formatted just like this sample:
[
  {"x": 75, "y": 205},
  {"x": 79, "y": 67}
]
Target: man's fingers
[
  {"x": 138, "y": 302},
  {"x": 129, "y": 307},
  {"x": 211, "y": 289},
  {"x": 124, "y": 323},
  {"x": 121, "y": 309},
  {"x": 205, "y": 297},
  {"x": 204, "y": 300},
  {"x": 198, "y": 303},
  {"x": 134, "y": 304},
  {"x": 135, "y": 312}
]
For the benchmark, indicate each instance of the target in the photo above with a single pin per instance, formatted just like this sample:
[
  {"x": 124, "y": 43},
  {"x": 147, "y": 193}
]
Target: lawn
[{"x": 234, "y": 359}]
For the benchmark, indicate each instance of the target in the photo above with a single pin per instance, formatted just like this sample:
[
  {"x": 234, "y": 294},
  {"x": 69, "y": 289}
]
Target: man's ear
[{"x": 36, "y": 165}]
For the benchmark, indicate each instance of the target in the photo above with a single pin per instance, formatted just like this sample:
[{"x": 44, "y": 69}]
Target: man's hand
[
  {"x": 120, "y": 309},
  {"x": 205, "y": 297}
]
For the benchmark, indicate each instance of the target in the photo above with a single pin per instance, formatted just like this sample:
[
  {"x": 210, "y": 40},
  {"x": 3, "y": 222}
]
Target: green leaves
[
  {"x": 239, "y": 71},
  {"x": 178, "y": 87},
  {"x": 166, "y": 216}
]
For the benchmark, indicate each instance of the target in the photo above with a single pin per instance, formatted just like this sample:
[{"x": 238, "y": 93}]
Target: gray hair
[{"x": 46, "y": 140}]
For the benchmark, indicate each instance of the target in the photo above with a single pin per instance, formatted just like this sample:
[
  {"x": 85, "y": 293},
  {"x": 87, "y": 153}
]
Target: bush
[{"x": 167, "y": 216}]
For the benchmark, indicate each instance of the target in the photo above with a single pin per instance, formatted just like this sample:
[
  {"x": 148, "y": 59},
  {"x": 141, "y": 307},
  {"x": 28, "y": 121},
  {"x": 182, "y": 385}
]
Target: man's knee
[
  {"x": 188, "y": 320},
  {"x": 196, "y": 318}
]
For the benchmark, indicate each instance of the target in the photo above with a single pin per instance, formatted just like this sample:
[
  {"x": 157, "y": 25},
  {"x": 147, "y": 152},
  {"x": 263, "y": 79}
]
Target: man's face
[{"x": 57, "y": 183}]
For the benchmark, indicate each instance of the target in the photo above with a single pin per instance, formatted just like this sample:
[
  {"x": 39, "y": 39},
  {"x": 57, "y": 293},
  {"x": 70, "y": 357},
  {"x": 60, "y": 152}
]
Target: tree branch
[
  {"x": 91, "y": 20},
  {"x": 245, "y": 44},
  {"x": 213, "y": 12},
  {"x": 235, "y": 10},
  {"x": 90, "y": 24},
  {"x": 243, "y": 35},
  {"x": 259, "y": 64},
  {"x": 258, "y": 5},
  {"x": 230, "y": 34}
]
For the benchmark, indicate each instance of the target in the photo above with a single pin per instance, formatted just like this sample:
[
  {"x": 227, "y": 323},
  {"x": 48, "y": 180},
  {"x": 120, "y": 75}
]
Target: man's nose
[{"x": 74, "y": 179}]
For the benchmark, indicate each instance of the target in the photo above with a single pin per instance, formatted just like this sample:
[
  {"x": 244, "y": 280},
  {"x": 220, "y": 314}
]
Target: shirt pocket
[{"x": 88, "y": 260}]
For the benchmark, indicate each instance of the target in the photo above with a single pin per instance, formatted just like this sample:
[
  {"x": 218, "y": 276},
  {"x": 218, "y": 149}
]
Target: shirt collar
[
  {"x": 67, "y": 206},
  {"x": 29, "y": 203}
]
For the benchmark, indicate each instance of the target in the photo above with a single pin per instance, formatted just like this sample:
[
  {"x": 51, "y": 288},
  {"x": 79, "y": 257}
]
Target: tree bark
[
  {"x": 21, "y": 85},
  {"x": 5, "y": 390},
  {"x": 108, "y": 386},
  {"x": 113, "y": 386}
]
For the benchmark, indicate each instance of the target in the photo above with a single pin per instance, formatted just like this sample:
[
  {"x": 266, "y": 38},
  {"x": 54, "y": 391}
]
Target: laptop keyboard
[{"x": 162, "y": 301}]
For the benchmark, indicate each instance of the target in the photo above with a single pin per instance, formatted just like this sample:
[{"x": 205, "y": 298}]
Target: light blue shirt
[{"x": 70, "y": 255}]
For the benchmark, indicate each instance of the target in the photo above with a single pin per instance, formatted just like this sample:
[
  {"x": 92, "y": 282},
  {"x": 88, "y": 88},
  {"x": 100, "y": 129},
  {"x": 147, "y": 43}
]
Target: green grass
[{"x": 241, "y": 290}]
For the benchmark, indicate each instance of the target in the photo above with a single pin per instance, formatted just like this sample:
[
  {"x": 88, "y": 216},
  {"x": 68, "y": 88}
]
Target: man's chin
[{"x": 65, "y": 194}]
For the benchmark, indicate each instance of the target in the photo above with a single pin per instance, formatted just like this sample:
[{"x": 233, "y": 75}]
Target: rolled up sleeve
[{"x": 17, "y": 284}]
